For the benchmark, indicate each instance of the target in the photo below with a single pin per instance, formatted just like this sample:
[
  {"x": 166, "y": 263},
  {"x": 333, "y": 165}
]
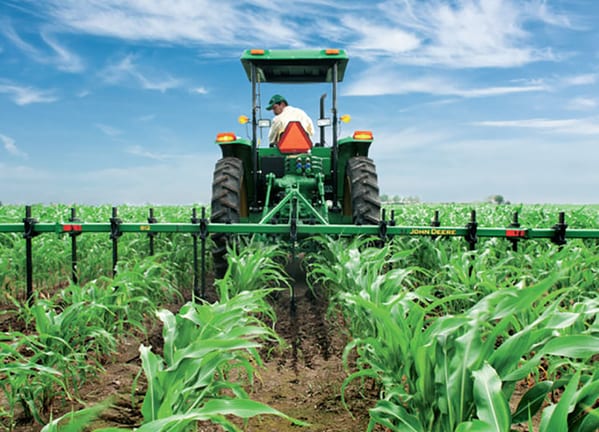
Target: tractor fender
[
  {"x": 354, "y": 147},
  {"x": 239, "y": 148}
]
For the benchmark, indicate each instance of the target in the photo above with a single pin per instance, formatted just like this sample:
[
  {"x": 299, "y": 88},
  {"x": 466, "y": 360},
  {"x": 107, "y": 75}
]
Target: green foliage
[
  {"x": 206, "y": 347},
  {"x": 448, "y": 355},
  {"x": 255, "y": 266},
  {"x": 73, "y": 332},
  {"x": 25, "y": 382}
]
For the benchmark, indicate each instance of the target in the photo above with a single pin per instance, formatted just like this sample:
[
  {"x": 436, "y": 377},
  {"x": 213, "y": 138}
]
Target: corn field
[{"x": 448, "y": 338}]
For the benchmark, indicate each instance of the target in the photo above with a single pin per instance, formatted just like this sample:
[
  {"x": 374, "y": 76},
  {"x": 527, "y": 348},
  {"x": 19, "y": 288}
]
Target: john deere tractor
[{"x": 297, "y": 181}]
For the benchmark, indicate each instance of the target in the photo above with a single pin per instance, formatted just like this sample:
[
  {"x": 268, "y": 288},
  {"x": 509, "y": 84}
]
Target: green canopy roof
[{"x": 295, "y": 66}]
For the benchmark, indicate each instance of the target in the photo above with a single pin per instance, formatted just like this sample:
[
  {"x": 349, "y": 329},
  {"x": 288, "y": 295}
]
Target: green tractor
[{"x": 296, "y": 181}]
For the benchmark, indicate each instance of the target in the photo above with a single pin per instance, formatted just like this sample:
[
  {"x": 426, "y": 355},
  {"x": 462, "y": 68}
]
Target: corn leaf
[
  {"x": 395, "y": 417},
  {"x": 491, "y": 406},
  {"x": 556, "y": 419},
  {"x": 531, "y": 401},
  {"x": 474, "y": 426},
  {"x": 169, "y": 332},
  {"x": 152, "y": 365},
  {"x": 78, "y": 420},
  {"x": 590, "y": 422},
  {"x": 573, "y": 346}
]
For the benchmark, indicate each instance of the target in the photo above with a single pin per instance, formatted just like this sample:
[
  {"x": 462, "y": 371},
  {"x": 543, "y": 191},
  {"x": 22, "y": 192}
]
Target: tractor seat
[{"x": 294, "y": 139}]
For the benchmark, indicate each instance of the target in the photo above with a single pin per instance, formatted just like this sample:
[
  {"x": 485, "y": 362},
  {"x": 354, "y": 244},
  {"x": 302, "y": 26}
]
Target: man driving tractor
[{"x": 284, "y": 113}]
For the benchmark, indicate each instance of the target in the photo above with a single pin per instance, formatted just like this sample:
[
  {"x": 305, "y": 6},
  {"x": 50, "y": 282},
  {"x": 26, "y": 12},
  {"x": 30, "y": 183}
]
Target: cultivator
[
  {"x": 201, "y": 228},
  {"x": 292, "y": 188}
]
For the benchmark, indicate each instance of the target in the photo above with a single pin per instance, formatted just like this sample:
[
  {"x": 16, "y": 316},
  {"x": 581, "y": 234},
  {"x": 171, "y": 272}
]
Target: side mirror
[
  {"x": 323, "y": 122},
  {"x": 264, "y": 123}
]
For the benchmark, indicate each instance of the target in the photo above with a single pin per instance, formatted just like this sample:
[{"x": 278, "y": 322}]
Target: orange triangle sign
[{"x": 295, "y": 139}]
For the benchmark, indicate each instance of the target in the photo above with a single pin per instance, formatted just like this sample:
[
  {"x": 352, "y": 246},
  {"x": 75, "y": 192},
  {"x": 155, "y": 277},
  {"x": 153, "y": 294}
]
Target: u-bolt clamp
[
  {"x": 203, "y": 228},
  {"x": 471, "y": 237},
  {"x": 152, "y": 220},
  {"x": 383, "y": 227},
  {"x": 29, "y": 228},
  {"x": 115, "y": 232},
  {"x": 559, "y": 233}
]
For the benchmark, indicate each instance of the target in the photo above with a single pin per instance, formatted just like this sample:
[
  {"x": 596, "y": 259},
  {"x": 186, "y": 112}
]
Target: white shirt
[{"x": 289, "y": 113}]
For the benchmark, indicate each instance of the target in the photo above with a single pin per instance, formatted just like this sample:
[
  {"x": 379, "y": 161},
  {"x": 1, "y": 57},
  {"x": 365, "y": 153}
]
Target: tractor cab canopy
[{"x": 295, "y": 66}]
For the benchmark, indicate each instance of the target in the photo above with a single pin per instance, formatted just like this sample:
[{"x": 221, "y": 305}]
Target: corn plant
[
  {"x": 124, "y": 303},
  {"x": 203, "y": 345},
  {"x": 71, "y": 340},
  {"x": 255, "y": 266},
  {"x": 26, "y": 382}
]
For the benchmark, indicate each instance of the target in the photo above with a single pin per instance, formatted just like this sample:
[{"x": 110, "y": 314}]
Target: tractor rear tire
[
  {"x": 229, "y": 203},
  {"x": 361, "y": 194}
]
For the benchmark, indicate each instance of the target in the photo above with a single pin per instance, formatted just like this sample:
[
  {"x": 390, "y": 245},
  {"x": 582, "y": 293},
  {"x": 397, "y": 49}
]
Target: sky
[{"x": 119, "y": 101}]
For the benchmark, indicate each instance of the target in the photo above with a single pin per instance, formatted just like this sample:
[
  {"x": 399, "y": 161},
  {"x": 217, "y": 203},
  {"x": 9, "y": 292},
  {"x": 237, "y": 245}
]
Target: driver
[{"x": 284, "y": 113}]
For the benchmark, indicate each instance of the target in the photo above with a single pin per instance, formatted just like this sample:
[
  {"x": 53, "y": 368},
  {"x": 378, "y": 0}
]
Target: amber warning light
[
  {"x": 225, "y": 137},
  {"x": 363, "y": 135}
]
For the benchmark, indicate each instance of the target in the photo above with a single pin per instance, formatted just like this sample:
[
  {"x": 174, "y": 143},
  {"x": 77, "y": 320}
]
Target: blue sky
[{"x": 119, "y": 101}]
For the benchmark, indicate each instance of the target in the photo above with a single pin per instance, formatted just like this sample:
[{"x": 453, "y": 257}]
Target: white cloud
[
  {"x": 199, "y": 90},
  {"x": 27, "y": 95},
  {"x": 584, "y": 79},
  {"x": 146, "y": 118},
  {"x": 161, "y": 85},
  {"x": 390, "y": 83},
  {"x": 64, "y": 59},
  {"x": 459, "y": 33},
  {"x": 60, "y": 57},
  {"x": 14, "y": 37},
  {"x": 118, "y": 71},
  {"x": 388, "y": 144},
  {"x": 463, "y": 33},
  {"x": 11, "y": 147},
  {"x": 126, "y": 69},
  {"x": 109, "y": 130},
  {"x": 582, "y": 126},
  {"x": 387, "y": 40},
  {"x": 138, "y": 150},
  {"x": 221, "y": 23},
  {"x": 582, "y": 104}
]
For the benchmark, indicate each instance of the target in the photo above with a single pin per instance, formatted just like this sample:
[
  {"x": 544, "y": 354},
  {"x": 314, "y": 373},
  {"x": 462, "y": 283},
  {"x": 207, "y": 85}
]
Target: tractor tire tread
[
  {"x": 366, "y": 204},
  {"x": 225, "y": 206}
]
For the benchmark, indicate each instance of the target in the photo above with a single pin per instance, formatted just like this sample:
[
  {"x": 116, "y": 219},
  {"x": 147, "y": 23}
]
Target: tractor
[{"x": 295, "y": 181}]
